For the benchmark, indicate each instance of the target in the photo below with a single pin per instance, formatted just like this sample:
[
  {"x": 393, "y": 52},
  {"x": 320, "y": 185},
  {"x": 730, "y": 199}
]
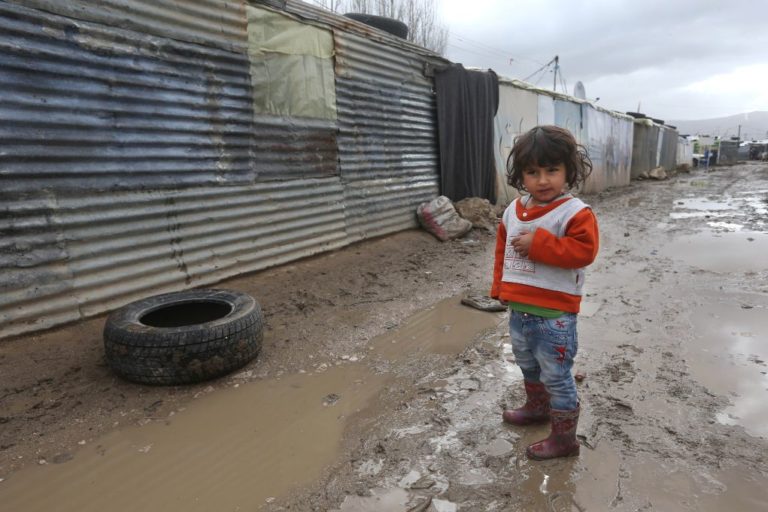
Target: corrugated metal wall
[
  {"x": 132, "y": 162},
  {"x": 644, "y": 147},
  {"x": 91, "y": 108},
  {"x": 214, "y": 23},
  {"x": 728, "y": 153},
  {"x": 388, "y": 150},
  {"x": 684, "y": 152},
  {"x": 99, "y": 127},
  {"x": 388, "y": 153},
  {"x": 568, "y": 115},
  {"x": 668, "y": 151},
  {"x": 609, "y": 144},
  {"x": 517, "y": 113}
]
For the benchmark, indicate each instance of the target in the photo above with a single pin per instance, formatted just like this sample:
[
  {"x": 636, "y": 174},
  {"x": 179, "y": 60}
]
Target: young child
[{"x": 545, "y": 240}]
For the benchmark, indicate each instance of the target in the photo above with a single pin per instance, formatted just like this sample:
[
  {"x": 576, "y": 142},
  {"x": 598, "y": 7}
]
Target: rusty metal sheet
[
  {"x": 71, "y": 256},
  {"x": 217, "y": 23},
  {"x": 86, "y": 107},
  {"x": 133, "y": 164},
  {"x": 645, "y": 142},
  {"x": 388, "y": 153}
]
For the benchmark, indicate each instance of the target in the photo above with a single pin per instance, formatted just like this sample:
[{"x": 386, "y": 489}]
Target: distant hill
[{"x": 754, "y": 125}]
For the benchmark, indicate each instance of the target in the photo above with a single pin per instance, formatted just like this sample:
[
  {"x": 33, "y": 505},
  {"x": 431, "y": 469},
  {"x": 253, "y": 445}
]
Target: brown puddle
[
  {"x": 667, "y": 487},
  {"x": 600, "y": 479},
  {"x": 237, "y": 447},
  {"x": 725, "y": 252},
  {"x": 730, "y": 357},
  {"x": 446, "y": 328}
]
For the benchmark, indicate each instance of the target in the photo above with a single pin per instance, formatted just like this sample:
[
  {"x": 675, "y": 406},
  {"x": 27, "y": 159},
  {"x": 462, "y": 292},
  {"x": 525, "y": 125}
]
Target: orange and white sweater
[{"x": 575, "y": 250}]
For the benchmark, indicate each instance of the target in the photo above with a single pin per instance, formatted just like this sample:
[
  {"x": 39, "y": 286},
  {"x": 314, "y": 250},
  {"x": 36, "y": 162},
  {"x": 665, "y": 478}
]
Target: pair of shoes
[{"x": 562, "y": 440}]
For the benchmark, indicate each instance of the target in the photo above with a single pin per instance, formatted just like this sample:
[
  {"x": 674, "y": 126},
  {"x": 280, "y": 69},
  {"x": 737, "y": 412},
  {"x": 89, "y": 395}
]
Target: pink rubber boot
[
  {"x": 536, "y": 408},
  {"x": 562, "y": 440}
]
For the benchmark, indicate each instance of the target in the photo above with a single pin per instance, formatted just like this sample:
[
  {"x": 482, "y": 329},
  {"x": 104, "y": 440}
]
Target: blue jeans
[{"x": 544, "y": 349}]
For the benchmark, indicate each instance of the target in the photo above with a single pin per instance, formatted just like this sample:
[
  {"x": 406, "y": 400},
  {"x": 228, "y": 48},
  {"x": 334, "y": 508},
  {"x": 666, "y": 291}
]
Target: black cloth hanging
[{"x": 466, "y": 106}]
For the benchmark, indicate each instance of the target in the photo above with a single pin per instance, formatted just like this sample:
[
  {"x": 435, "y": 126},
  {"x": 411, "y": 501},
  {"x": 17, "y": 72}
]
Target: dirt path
[{"x": 377, "y": 391}]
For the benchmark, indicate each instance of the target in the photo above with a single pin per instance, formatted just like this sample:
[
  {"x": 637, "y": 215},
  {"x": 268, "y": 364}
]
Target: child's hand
[{"x": 522, "y": 243}]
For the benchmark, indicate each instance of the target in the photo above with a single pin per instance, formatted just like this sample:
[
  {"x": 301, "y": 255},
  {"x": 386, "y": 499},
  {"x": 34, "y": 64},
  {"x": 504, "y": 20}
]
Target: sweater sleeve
[
  {"x": 576, "y": 249},
  {"x": 498, "y": 262}
]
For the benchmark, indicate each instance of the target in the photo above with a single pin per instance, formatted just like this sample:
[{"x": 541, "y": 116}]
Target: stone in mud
[
  {"x": 483, "y": 303},
  {"x": 62, "y": 458},
  {"x": 331, "y": 399},
  {"x": 422, "y": 483},
  {"x": 657, "y": 173}
]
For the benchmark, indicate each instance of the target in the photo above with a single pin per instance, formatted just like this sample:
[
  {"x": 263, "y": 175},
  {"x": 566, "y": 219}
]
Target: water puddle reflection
[
  {"x": 742, "y": 251},
  {"x": 730, "y": 357},
  {"x": 232, "y": 449}
]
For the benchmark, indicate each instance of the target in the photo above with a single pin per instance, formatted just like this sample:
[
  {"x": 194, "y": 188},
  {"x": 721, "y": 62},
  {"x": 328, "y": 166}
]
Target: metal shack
[
  {"x": 656, "y": 145},
  {"x": 155, "y": 145},
  {"x": 607, "y": 135}
]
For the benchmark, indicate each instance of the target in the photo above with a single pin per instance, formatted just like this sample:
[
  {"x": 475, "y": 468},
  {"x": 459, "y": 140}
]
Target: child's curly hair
[{"x": 544, "y": 146}]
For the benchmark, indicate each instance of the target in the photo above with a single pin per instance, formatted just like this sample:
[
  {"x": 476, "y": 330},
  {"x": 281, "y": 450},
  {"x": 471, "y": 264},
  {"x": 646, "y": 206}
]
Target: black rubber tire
[
  {"x": 146, "y": 342},
  {"x": 390, "y": 25}
]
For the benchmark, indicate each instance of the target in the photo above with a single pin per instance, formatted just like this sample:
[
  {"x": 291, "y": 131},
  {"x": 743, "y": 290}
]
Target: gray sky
[{"x": 679, "y": 59}]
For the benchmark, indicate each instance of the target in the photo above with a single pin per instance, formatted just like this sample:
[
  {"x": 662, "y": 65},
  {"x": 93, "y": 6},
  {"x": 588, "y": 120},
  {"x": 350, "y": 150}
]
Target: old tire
[
  {"x": 183, "y": 337},
  {"x": 395, "y": 27}
]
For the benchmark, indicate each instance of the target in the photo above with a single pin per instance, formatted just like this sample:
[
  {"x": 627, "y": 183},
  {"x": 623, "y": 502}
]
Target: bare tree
[
  {"x": 424, "y": 28},
  {"x": 331, "y": 5}
]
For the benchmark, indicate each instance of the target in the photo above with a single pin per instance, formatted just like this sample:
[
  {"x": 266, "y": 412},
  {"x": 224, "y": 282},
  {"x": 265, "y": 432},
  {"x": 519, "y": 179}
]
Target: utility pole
[{"x": 557, "y": 60}]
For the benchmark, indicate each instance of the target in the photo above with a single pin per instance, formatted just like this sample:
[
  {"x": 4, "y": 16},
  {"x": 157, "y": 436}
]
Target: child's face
[{"x": 544, "y": 183}]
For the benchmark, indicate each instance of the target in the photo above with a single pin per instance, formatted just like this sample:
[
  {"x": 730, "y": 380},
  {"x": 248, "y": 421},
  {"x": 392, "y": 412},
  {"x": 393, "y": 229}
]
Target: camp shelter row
[{"x": 155, "y": 145}]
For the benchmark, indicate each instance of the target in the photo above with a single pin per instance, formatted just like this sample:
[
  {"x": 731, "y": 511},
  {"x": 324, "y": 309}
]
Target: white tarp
[
  {"x": 291, "y": 66},
  {"x": 609, "y": 144},
  {"x": 518, "y": 112},
  {"x": 546, "y": 110},
  {"x": 684, "y": 151}
]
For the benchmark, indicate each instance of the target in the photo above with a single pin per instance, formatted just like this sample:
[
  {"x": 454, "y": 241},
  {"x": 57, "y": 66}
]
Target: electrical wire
[
  {"x": 540, "y": 77},
  {"x": 468, "y": 50},
  {"x": 483, "y": 48},
  {"x": 496, "y": 49},
  {"x": 537, "y": 71}
]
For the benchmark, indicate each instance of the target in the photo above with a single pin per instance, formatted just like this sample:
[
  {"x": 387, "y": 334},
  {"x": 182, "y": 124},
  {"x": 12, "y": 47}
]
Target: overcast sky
[{"x": 678, "y": 59}]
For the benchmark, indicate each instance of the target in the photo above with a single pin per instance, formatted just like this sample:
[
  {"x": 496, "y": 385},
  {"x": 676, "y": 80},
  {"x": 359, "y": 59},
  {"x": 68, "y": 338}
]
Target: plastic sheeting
[
  {"x": 546, "y": 114},
  {"x": 518, "y": 112},
  {"x": 467, "y": 102},
  {"x": 684, "y": 152},
  {"x": 609, "y": 144},
  {"x": 291, "y": 66},
  {"x": 568, "y": 115}
]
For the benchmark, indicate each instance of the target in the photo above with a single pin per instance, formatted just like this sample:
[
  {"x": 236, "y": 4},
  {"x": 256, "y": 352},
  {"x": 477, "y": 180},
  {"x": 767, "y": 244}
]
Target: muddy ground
[{"x": 378, "y": 391}]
